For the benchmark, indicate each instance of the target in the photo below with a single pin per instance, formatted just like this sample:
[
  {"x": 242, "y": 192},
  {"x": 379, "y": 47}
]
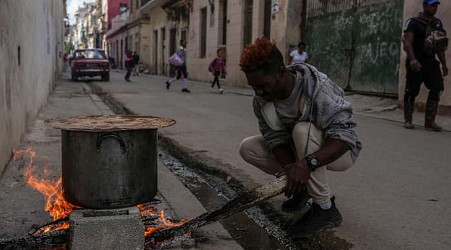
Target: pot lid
[{"x": 101, "y": 123}]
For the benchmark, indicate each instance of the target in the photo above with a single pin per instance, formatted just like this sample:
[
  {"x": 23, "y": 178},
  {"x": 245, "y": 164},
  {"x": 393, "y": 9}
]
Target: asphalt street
[{"x": 395, "y": 197}]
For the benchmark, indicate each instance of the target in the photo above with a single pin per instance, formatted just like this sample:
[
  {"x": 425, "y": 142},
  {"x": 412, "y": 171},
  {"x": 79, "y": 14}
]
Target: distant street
[{"x": 396, "y": 196}]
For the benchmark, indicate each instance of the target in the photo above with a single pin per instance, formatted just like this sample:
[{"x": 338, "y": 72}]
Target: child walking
[{"x": 217, "y": 66}]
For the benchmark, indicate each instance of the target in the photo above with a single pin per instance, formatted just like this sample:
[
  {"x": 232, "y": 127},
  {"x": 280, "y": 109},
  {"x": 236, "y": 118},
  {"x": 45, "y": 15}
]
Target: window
[
  {"x": 247, "y": 32},
  {"x": 172, "y": 41},
  {"x": 89, "y": 54},
  {"x": 223, "y": 24},
  {"x": 267, "y": 20},
  {"x": 203, "y": 32}
]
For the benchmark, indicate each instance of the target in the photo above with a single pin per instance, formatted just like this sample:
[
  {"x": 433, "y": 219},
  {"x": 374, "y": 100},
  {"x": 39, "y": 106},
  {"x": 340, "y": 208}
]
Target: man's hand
[
  {"x": 415, "y": 65},
  {"x": 298, "y": 174},
  {"x": 444, "y": 70}
]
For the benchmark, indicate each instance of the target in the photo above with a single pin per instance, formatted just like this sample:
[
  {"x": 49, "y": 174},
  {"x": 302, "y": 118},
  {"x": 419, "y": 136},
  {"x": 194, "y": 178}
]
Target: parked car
[{"x": 90, "y": 62}]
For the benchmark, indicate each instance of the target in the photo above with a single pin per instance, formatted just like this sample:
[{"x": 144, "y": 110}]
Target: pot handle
[{"x": 117, "y": 137}]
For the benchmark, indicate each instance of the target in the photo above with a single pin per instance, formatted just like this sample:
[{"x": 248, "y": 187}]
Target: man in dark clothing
[
  {"x": 128, "y": 64},
  {"x": 136, "y": 62},
  {"x": 422, "y": 65}
]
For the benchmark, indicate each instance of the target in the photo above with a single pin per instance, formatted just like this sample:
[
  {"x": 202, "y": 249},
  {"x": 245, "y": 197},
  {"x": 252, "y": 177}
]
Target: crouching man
[{"x": 306, "y": 128}]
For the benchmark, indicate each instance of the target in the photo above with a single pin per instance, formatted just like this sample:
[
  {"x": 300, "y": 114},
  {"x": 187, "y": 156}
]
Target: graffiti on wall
[{"x": 359, "y": 47}]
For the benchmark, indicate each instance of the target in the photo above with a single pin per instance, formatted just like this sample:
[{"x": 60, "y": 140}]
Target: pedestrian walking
[
  {"x": 65, "y": 61},
  {"x": 135, "y": 63},
  {"x": 128, "y": 64},
  {"x": 306, "y": 126},
  {"x": 299, "y": 55},
  {"x": 181, "y": 69},
  {"x": 218, "y": 68},
  {"x": 424, "y": 40}
]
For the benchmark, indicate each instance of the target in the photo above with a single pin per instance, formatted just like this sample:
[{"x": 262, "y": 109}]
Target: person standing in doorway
[
  {"x": 424, "y": 41},
  {"x": 218, "y": 68},
  {"x": 299, "y": 55},
  {"x": 181, "y": 70},
  {"x": 128, "y": 64}
]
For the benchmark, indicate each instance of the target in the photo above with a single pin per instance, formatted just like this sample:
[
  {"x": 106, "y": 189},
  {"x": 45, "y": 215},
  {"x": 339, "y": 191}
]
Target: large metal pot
[{"x": 108, "y": 166}]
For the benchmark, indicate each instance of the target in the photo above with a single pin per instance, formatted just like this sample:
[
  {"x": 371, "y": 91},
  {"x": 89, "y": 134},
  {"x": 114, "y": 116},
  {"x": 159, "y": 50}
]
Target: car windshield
[{"x": 89, "y": 54}]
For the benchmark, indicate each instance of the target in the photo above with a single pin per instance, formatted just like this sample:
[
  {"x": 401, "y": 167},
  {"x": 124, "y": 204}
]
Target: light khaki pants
[{"x": 253, "y": 151}]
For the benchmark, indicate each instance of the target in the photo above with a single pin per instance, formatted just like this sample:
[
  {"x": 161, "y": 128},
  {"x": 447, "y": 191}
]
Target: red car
[{"x": 90, "y": 62}]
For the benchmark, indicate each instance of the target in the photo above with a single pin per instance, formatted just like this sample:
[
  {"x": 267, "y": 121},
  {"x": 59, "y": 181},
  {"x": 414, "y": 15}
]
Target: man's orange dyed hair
[{"x": 261, "y": 55}]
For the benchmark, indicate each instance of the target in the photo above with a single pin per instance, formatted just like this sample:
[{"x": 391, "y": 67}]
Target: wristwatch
[{"x": 312, "y": 162}]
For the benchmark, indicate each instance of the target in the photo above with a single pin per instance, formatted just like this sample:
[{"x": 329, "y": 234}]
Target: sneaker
[
  {"x": 409, "y": 125},
  {"x": 297, "y": 202},
  {"x": 433, "y": 127},
  {"x": 221, "y": 91},
  {"x": 186, "y": 90},
  {"x": 315, "y": 220},
  {"x": 168, "y": 84}
]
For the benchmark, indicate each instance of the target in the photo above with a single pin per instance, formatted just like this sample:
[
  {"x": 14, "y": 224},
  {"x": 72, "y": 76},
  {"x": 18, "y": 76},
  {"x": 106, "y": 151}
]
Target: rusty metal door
[{"x": 356, "y": 42}]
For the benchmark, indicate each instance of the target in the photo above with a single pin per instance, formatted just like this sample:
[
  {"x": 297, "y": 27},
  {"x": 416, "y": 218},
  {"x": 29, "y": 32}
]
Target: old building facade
[
  {"x": 209, "y": 25},
  {"x": 356, "y": 42}
]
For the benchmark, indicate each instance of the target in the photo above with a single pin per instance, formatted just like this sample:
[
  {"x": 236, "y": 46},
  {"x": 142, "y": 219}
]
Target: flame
[
  {"x": 60, "y": 226},
  {"x": 161, "y": 220},
  {"x": 55, "y": 204},
  {"x": 147, "y": 211}
]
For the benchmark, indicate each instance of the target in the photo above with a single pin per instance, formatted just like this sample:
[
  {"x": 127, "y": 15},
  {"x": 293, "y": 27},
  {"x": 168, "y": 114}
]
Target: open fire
[
  {"x": 59, "y": 209},
  {"x": 55, "y": 204},
  {"x": 155, "y": 221}
]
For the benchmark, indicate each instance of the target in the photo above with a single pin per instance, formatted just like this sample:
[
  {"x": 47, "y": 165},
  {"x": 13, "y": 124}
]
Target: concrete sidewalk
[{"x": 22, "y": 208}]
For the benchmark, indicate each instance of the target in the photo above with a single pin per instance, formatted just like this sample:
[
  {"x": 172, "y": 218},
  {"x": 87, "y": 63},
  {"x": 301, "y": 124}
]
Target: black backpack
[{"x": 435, "y": 37}]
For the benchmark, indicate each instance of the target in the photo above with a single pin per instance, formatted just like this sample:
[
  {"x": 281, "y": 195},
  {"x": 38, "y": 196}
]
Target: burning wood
[
  {"x": 55, "y": 203},
  {"x": 155, "y": 220},
  {"x": 53, "y": 239},
  {"x": 236, "y": 205},
  {"x": 60, "y": 224}
]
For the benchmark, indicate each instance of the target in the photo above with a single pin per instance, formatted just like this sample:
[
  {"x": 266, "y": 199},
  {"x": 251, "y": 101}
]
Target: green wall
[{"x": 359, "y": 48}]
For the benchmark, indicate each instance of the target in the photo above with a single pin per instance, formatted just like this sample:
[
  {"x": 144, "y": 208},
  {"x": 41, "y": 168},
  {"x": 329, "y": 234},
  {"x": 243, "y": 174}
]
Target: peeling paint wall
[
  {"x": 31, "y": 47},
  {"x": 412, "y": 8}
]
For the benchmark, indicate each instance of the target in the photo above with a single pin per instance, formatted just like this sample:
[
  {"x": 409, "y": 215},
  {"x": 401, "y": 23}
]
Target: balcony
[
  {"x": 149, "y": 5},
  {"x": 138, "y": 16}
]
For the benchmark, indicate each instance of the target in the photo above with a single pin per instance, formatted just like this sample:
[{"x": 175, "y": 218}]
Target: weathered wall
[
  {"x": 293, "y": 28},
  {"x": 158, "y": 55},
  {"x": 197, "y": 66},
  {"x": 284, "y": 32},
  {"x": 118, "y": 49},
  {"x": 31, "y": 39},
  {"x": 141, "y": 42},
  {"x": 358, "y": 47},
  {"x": 412, "y": 8}
]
